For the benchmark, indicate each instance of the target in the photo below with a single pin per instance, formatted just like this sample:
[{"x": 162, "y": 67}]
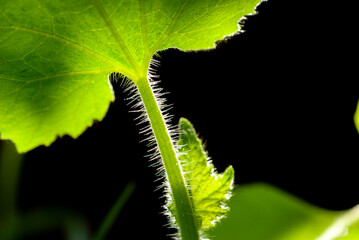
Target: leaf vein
[
  {"x": 13, "y": 91},
  {"x": 170, "y": 26},
  {"x": 61, "y": 39},
  {"x": 54, "y": 103},
  {"x": 5, "y": 16},
  {"x": 146, "y": 52},
  {"x": 116, "y": 9},
  {"x": 106, "y": 18},
  {"x": 34, "y": 48},
  {"x": 6, "y": 36},
  {"x": 202, "y": 15}
]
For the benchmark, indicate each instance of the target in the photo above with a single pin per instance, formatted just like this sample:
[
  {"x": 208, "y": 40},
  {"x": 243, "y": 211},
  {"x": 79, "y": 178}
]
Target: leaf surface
[
  {"x": 56, "y": 55},
  {"x": 356, "y": 117},
  {"x": 260, "y": 211},
  {"x": 208, "y": 189}
]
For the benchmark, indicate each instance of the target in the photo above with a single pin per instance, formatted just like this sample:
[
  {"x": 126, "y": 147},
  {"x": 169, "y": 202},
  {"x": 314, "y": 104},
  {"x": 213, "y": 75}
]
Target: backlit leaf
[
  {"x": 260, "y": 211},
  {"x": 209, "y": 190},
  {"x": 56, "y": 55}
]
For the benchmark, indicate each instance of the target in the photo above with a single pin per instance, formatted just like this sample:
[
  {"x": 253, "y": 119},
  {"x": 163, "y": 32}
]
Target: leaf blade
[
  {"x": 209, "y": 190},
  {"x": 261, "y": 211},
  {"x": 194, "y": 25},
  {"x": 46, "y": 78},
  {"x": 44, "y": 38}
]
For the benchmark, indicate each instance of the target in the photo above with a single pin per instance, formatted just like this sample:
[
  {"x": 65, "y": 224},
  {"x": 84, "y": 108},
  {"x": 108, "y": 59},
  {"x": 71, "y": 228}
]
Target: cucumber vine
[
  {"x": 185, "y": 216},
  {"x": 143, "y": 97},
  {"x": 175, "y": 156},
  {"x": 55, "y": 58},
  {"x": 57, "y": 54}
]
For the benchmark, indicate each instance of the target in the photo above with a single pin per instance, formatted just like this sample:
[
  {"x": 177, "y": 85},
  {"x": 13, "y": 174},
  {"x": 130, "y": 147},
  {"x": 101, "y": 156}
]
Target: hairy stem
[{"x": 184, "y": 211}]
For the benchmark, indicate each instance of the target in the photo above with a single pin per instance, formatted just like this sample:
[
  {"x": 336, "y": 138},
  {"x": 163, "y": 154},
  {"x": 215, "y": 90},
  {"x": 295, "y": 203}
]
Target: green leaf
[
  {"x": 209, "y": 191},
  {"x": 56, "y": 55},
  {"x": 345, "y": 227},
  {"x": 356, "y": 117},
  {"x": 260, "y": 211}
]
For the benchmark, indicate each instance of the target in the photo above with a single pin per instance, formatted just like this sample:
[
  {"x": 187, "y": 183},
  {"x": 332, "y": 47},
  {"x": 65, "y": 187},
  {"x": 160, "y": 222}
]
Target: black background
[{"x": 276, "y": 102}]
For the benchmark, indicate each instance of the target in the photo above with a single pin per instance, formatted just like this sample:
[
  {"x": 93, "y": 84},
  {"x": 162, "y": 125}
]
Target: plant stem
[
  {"x": 184, "y": 211},
  {"x": 10, "y": 167},
  {"x": 113, "y": 213}
]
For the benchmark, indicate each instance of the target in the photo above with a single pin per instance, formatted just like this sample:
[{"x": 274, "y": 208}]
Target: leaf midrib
[
  {"x": 25, "y": 83},
  {"x": 64, "y": 74},
  {"x": 121, "y": 44},
  {"x": 147, "y": 53}
]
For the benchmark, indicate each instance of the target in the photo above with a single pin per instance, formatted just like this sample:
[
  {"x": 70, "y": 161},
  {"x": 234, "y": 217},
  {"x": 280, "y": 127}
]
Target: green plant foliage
[
  {"x": 56, "y": 55},
  {"x": 209, "y": 191},
  {"x": 356, "y": 117},
  {"x": 261, "y": 211},
  {"x": 351, "y": 233}
]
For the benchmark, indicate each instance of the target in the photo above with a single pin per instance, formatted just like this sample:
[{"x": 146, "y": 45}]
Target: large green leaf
[
  {"x": 263, "y": 212},
  {"x": 56, "y": 55}
]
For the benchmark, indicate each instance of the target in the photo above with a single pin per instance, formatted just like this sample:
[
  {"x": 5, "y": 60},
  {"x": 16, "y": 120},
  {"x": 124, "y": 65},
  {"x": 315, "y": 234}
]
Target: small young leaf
[
  {"x": 209, "y": 190},
  {"x": 356, "y": 117}
]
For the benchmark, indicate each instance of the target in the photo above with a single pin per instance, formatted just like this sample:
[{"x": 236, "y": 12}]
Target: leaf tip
[
  {"x": 185, "y": 122},
  {"x": 229, "y": 173}
]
